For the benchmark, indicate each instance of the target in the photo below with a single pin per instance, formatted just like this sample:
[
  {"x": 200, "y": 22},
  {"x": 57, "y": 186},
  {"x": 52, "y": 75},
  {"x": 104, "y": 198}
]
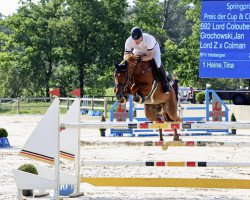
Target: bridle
[
  {"x": 126, "y": 85},
  {"x": 122, "y": 86}
]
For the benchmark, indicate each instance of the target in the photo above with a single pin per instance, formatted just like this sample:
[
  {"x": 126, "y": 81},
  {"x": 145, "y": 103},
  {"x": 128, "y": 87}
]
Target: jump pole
[
  {"x": 163, "y": 163},
  {"x": 155, "y": 125},
  {"x": 156, "y": 182},
  {"x": 169, "y": 182},
  {"x": 168, "y": 144}
]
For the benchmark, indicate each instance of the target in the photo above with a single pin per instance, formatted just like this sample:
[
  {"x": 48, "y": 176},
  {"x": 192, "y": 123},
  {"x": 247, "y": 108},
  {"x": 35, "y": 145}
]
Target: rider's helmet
[{"x": 136, "y": 33}]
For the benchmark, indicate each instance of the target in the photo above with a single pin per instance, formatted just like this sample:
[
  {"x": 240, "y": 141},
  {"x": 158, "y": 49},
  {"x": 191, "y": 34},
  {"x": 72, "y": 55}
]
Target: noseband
[{"x": 122, "y": 86}]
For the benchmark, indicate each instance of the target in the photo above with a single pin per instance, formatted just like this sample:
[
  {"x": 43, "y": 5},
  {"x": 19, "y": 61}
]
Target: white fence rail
[{"x": 15, "y": 103}]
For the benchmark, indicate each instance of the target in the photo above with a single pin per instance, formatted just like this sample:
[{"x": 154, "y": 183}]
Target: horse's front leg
[
  {"x": 159, "y": 119},
  {"x": 136, "y": 97},
  {"x": 170, "y": 110},
  {"x": 176, "y": 136},
  {"x": 161, "y": 135},
  {"x": 151, "y": 112}
]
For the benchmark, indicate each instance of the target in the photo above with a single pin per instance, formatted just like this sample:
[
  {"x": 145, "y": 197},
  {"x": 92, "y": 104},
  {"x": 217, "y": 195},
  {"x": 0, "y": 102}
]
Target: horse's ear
[
  {"x": 120, "y": 67},
  {"x": 116, "y": 64}
]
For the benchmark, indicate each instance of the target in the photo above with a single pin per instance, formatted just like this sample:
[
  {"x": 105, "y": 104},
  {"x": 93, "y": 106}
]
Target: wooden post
[
  {"x": 92, "y": 104},
  {"x": 18, "y": 106},
  {"x": 105, "y": 107},
  {"x": 67, "y": 103}
]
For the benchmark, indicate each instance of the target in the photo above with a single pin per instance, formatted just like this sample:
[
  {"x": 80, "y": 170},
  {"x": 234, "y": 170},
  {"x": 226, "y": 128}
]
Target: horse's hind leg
[
  {"x": 161, "y": 135},
  {"x": 160, "y": 129},
  {"x": 176, "y": 136},
  {"x": 151, "y": 112},
  {"x": 170, "y": 107}
]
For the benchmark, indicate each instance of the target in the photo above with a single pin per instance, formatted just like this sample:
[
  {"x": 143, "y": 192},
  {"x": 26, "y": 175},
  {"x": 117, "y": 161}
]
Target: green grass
[
  {"x": 40, "y": 107},
  {"x": 27, "y": 108}
]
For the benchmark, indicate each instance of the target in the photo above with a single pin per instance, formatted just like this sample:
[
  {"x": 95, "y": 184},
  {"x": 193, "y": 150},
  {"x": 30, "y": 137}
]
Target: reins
[{"x": 130, "y": 79}]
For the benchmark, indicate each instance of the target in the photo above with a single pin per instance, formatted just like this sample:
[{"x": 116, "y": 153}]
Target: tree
[
  {"x": 164, "y": 19},
  {"x": 11, "y": 79},
  {"x": 93, "y": 33},
  {"x": 186, "y": 53},
  {"x": 36, "y": 32},
  {"x": 175, "y": 24}
]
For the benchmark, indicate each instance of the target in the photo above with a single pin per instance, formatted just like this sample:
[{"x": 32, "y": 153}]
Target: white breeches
[{"x": 156, "y": 54}]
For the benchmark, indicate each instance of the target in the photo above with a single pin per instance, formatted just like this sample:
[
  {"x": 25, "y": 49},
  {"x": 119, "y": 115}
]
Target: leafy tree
[
  {"x": 93, "y": 33},
  {"x": 11, "y": 78},
  {"x": 164, "y": 19},
  {"x": 64, "y": 77},
  {"x": 175, "y": 24},
  {"x": 148, "y": 16},
  {"x": 186, "y": 53},
  {"x": 36, "y": 33}
]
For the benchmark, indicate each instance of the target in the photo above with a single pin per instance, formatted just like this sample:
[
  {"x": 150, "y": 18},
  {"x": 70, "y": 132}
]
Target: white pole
[
  {"x": 166, "y": 163},
  {"x": 152, "y": 125},
  {"x": 168, "y": 144},
  {"x": 57, "y": 157},
  {"x": 19, "y": 194},
  {"x": 77, "y": 158}
]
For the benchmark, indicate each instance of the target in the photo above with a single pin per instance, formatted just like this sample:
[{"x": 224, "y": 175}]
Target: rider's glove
[{"x": 139, "y": 58}]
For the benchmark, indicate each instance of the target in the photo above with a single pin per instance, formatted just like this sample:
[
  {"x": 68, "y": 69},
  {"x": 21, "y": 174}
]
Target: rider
[{"x": 147, "y": 48}]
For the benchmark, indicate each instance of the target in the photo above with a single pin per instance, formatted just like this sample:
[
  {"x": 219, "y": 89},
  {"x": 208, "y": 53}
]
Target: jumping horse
[{"x": 137, "y": 79}]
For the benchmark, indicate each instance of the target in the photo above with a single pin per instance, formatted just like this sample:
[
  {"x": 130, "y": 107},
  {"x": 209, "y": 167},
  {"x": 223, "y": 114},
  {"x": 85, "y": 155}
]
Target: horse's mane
[{"x": 131, "y": 59}]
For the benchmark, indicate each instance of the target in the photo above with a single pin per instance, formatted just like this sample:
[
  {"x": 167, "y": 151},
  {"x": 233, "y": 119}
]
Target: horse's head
[
  {"x": 121, "y": 78},
  {"x": 124, "y": 76}
]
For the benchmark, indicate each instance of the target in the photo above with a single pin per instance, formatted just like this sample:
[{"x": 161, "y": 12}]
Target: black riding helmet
[{"x": 136, "y": 33}]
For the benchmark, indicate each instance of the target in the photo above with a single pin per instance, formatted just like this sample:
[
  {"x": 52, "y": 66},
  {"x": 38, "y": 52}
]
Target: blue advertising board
[{"x": 225, "y": 39}]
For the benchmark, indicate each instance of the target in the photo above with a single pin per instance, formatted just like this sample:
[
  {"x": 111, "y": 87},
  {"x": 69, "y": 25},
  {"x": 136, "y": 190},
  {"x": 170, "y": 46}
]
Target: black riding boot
[
  {"x": 164, "y": 79},
  {"x": 155, "y": 70}
]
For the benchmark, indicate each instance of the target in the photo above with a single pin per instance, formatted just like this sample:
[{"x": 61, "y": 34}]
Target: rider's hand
[{"x": 139, "y": 58}]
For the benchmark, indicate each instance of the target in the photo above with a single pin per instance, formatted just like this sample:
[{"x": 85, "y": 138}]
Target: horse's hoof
[
  {"x": 177, "y": 139},
  {"x": 164, "y": 147}
]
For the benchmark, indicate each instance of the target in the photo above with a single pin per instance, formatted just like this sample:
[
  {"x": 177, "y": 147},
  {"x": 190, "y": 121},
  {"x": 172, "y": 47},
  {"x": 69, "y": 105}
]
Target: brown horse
[{"x": 137, "y": 79}]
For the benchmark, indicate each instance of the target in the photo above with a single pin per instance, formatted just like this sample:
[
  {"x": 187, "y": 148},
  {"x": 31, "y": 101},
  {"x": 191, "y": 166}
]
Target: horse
[{"x": 137, "y": 79}]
